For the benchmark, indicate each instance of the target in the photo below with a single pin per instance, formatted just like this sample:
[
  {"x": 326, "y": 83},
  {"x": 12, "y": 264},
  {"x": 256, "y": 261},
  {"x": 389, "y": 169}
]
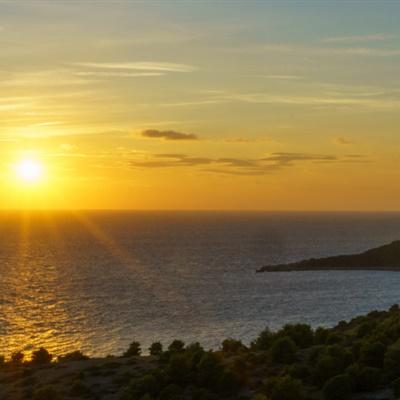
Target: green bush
[
  {"x": 365, "y": 379},
  {"x": 372, "y": 354},
  {"x": 396, "y": 387},
  {"x": 285, "y": 388},
  {"x": 298, "y": 371},
  {"x": 338, "y": 388},
  {"x": 321, "y": 335},
  {"x": 209, "y": 371},
  {"x": 283, "y": 351},
  {"x": 178, "y": 368},
  {"x": 392, "y": 360},
  {"x": 146, "y": 384},
  {"x": 79, "y": 389},
  {"x": 48, "y": 392},
  {"x": 172, "y": 392}
]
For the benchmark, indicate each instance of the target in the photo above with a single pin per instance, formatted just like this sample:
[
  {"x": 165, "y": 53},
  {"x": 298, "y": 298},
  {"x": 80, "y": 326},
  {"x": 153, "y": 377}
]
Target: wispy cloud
[
  {"x": 359, "y": 38},
  {"x": 334, "y": 99},
  {"x": 240, "y": 166},
  {"x": 139, "y": 65},
  {"x": 298, "y": 48},
  {"x": 284, "y": 77},
  {"x": 168, "y": 135},
  {"x": 101, "y": 74}
]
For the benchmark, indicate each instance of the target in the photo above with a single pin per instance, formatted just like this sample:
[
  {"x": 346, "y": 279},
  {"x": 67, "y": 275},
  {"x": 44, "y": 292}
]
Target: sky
[{"x": 229, "y": 105}]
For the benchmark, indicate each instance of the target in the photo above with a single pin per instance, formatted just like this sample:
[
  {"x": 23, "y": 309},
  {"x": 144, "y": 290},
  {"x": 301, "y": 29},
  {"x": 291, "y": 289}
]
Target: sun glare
[{"x": 30, "y": 171}]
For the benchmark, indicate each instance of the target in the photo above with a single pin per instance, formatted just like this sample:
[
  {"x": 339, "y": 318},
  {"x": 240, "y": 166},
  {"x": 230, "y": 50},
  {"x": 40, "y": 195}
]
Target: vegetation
[{"x": 352, "y": 360}]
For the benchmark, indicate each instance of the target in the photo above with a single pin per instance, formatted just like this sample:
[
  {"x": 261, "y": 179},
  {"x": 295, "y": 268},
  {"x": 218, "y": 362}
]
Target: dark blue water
[{"x": 97, "y": 281}]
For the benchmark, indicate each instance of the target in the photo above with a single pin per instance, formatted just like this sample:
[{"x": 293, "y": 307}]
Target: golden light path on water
[{"x": 39, "y": 310}]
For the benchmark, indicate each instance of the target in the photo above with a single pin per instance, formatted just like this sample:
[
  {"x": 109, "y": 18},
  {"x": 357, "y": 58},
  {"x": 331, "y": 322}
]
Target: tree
[
  {"x": 41, "y": 356},
  {"x": 133, "y": 350},
  {"x": 177, "y": 346},
  {"x": 283, "y": 351},
  {"x": 337, "y": 388},
  {"x": 156, "y": 349},
  {"x": 301, "y": 334},
  {"x": 264, "y": 340},
  {"x": 232, "y": 346}
]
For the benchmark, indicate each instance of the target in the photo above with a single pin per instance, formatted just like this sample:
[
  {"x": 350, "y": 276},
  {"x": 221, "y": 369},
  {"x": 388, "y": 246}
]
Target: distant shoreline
[{"x": 383, "y": 258}]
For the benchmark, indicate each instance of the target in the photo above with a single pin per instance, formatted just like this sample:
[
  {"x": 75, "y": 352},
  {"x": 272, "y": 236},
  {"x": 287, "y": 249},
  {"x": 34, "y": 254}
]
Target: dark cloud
[
  {"x": 242, "y": 166},
  {"x": 288, "y": 158},
  {"x": 168, "y": 135}
]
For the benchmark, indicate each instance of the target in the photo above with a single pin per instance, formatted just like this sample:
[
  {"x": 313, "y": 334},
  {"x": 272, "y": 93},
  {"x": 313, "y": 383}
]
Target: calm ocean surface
[{"x": 99, "y": 280}]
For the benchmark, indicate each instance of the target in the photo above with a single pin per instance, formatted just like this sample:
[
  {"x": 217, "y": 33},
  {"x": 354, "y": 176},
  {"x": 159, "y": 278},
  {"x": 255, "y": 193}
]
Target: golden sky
[{"x": 196, "y": 105}]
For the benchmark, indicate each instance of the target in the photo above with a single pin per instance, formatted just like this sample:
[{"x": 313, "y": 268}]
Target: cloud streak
[
  {"x": 168, "y": 135},
  {"x": 138, "y": 66},
  {"x": 359, "y": 38}
]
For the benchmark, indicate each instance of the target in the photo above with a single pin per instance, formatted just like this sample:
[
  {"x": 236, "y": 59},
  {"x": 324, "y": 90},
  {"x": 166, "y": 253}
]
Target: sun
[{"x": 29, "y": 171}]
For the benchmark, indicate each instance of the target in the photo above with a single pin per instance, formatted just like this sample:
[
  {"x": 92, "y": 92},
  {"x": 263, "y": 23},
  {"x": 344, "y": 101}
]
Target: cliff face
[{"x": 385, "y": 257}]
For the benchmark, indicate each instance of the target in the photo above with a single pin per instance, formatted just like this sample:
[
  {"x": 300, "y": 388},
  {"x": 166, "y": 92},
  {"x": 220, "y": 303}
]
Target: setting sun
[{"x": 29, "y": 170}]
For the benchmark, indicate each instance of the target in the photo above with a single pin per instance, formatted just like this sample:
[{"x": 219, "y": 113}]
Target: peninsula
[{"x": 386, "y": 258}]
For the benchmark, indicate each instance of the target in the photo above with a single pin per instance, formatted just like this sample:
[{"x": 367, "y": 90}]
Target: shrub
[
  {"x": 365, "y": 379},
  {"x": 178, "y": 368},
  {"x": 283, "y": 351},
  {"x": 48, "y": 392},
  {"x": 372, "y": 354},
  {"x": 298, "y": 371},
  {"x": 17, "y": 357},
  {"x": 146, "y": 384},
  {"x": 73, "y": 356},
  {"x": 337, "y": 388},
  {"x": 133, "y": 350},
  {"x": 366, "y": 329},
  {"x": 41, "y": 357},
  {"x": 171, "y": 392},
  {"x": 79, "y": 389},
  {"x": 285, "y": 388},
  {"x": 156, "y": 349},
  {"x": 321, "y": 335},
  {"x": 392, "y": 359},
  {"x": 228, "y": 383},
  {"x": 2, "y": 360},
  {"x": 209, "y": 371},
  {"x": 194, "y": 352},
  {"x": 396, "y": 387}
]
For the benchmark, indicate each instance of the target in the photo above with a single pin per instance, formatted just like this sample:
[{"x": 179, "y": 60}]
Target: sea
[{"x": 96, "y": 281}]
